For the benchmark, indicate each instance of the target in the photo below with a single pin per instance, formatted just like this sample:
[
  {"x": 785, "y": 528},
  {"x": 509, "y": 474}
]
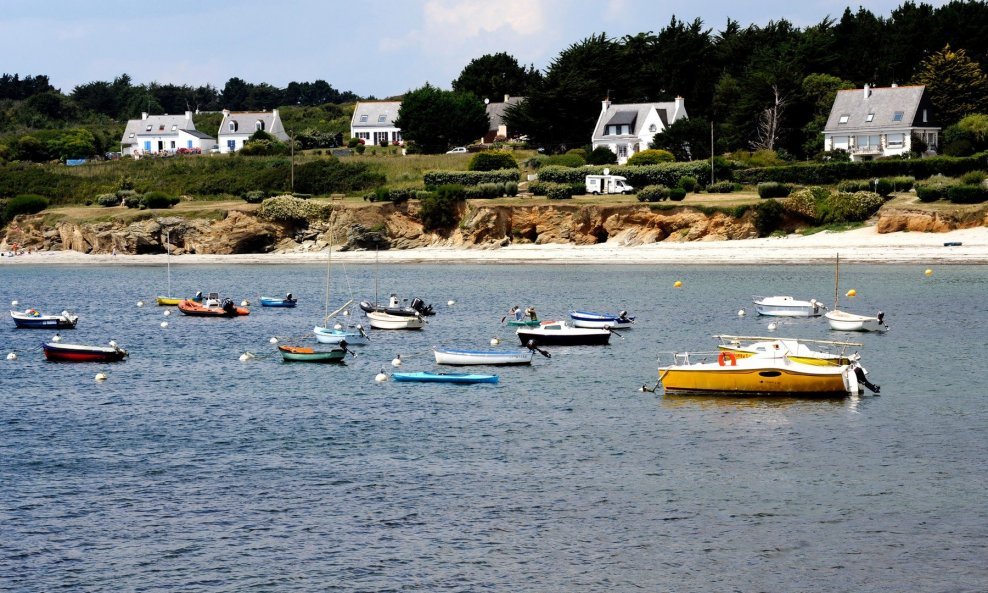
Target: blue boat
[
  {"x": 32, "y": 319},
  {"x": 287, "y": 301},
  {"x": 427, "y": 377}
]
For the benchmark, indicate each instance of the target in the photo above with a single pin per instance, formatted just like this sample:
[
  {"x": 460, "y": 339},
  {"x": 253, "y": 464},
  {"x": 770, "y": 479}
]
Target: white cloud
[{"x": 461, "y": 20}]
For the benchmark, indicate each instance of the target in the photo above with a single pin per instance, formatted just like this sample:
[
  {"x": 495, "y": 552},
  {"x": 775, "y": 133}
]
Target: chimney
[
  {"x": 605, "y": 104},
  {"x": 895, "y": 86},
  {"x": 506, "y": 97},
  {"x": 678, "y": 104},
  {"x": 188, "y": 115},
  {"x": 226, "y": 113},
  {"x": 144, "y": 115},
  {"x": 274, "y": 114},
  {"x": 867, "y": 92}
]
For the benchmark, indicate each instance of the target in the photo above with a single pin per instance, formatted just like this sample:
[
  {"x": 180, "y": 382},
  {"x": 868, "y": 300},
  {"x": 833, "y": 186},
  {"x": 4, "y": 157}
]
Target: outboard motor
[
  {"x": 229, "y": 307},
  {"x": 421, "y": 307},
  {"x": 863, "y": 379}
]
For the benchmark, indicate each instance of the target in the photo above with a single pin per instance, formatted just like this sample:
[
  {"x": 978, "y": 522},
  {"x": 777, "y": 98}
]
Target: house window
[
  {"x": 231, "y": 145},
  {"x": 381, "y": 118},
  {"x": 174, "y": 127},
  {"x": 843, "y": 118},
  {"x": 259, "y": 126},
  {"x": 396, "y": 136},
  {"x": 897, "y": 116},
  {"x": 840, "y": 143},
  {"x": 147, "y": 146},
  {"x": 131, "y": 135},
  {"x": 622, "y": 151},
  {"x": 895, "y": 140},
  {"x": 190, "y": 144},
  {"x": 924, "y": 116},
  {"x": 233, "y": 126},
  {"x": 652, "y": 128},
  {"x": 870, "y": 117},
  {"x": 363, "y": 118},
  {"x": 363, "y": 135},
  {"x": 148, "y": 129},
  {"x": 380, "y": 137},
  {"x": 161, "y": 128},
  {"x": 172, "y": 145},
  {"x": 868, "y": 142}
]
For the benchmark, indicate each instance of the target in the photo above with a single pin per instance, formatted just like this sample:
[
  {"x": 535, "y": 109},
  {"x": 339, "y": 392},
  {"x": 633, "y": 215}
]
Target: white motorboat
[
  {"x": 851, "y": 322},
  {"x": 380, "y": 320},
  {"x": 492, "y": 357},
  {"x": 559, "y": 333},
  {"x": 601, "y": 320},
  {"x": 786, "y": 306}
]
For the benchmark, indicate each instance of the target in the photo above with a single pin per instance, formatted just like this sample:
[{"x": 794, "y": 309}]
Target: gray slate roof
[
  {"x": 246, "y": 124},
  {"x": 161, "y": 125},
  {"x": 882, "y": 103},
  {"x": 496, "y": 111},
  {"x": 373, "y": 110},
  {"x": 637, "y": 112},
  {"x": 198, "y": 134}
]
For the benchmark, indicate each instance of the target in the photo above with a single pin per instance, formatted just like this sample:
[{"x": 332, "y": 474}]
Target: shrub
[
  {"x": 667, "y": 174},
  {"x": 768, "y": 215},
  {"x": 255, "y": 196},
  {"x": 935, "y": 188},
  {"x": 23, "y": 204},
  {"x": 359, "y": 149},
  {"x": 438, "y": 211},
  {"x": 773, "y": 189},
  {"x": 511, "y": 188},
  {"x": 651, "y": 156},
  {"x": 803, "y": 202},
  {"x": 560, "y": 191},
  {"x": 108, "y": 200},
  {"x": 485, "y": 190},
  {"x": 434, "y": 179},
  {"x": 967, "y": 194},
  {"x": 721, "y": 187},
  {"x": 677, "y": 194},
  {"x": 973, "y": 177},
  {"x": 158, "y": 200},
  {"x": 844, "y": 207},
  {"x": 900, "y": 182},
  {"x": 564, "y": 160},
  {"x": 124, "y": 194},
  {"x": 353, "y": 142},
  {"x": 688, "y": 183},
  {"x": 602, "y": 156},
  {"x": 492, "y": 160},
  {"x": 289, "y": 209},
  {"x": 654, "y": 193}
]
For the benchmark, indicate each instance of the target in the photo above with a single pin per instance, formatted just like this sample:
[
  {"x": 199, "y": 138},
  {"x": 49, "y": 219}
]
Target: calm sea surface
[{"x": 188, "y": 470}]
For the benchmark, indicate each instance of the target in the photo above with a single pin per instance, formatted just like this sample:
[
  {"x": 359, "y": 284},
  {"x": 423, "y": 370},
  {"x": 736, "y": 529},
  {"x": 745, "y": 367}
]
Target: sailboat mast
[
  {"x": 168, "y": 261},
  {"x": 837, "y": 282},
  {"x": 329, "y": 264}
]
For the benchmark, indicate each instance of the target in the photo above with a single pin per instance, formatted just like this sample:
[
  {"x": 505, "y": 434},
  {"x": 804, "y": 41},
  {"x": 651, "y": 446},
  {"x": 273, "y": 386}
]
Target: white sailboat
[
  {"x": 851, "y": 322},
  {"x": 338, "y": 331}
]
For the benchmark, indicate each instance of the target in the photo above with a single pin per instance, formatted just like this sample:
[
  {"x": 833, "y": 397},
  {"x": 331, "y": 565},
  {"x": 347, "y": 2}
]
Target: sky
[{"x": 375, "y": 48}]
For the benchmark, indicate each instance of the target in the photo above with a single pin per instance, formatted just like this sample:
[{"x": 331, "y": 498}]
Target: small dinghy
[
  {"x": 306, "y": 354},
  {"x": 427, "y": 377},
  {"x": 380, "y": 320},
  {"x": 786, "y": 306},
  {"x": 33, "y": 319},
  {"x": 394, "y": 307},
  {"x": 600, "y": 320},
  {"x": 288, "y": 301},
  {"x": 80, "y": 353},
  {"x": 207, "y": 309}
]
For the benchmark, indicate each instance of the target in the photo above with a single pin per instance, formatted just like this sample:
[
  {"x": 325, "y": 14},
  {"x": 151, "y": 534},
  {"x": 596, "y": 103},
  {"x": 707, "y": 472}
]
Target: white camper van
[{"x": 607, "y": 184}]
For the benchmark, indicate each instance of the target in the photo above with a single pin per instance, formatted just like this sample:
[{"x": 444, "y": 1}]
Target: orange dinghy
[{"x": 227, "y": 309}]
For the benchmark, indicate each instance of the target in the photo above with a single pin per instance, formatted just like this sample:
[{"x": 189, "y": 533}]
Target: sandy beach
[{"x": 863, "y": 245}]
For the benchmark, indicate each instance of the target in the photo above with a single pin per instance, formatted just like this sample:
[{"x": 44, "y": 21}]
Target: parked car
[
  {"x": 215, "y": 149},
  {"x": 457, "y": 150}
]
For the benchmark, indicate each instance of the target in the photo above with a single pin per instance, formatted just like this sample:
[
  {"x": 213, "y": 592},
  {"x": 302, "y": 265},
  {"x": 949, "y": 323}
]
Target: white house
[
  {"x": 630, "y": 128},
  {"x": 874, "y": 122},
  {"x": 374, "y": 122},
  {"x": 153, "y": 134},
  {"x": 236, "y": 128}
]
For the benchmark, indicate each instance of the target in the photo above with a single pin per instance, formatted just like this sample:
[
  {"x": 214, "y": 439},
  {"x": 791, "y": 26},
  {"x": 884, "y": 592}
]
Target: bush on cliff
[
  {"x": 438, "y": 210},
  {"x": 292, "y": 210},
  {"x": 22, "y": 204}
]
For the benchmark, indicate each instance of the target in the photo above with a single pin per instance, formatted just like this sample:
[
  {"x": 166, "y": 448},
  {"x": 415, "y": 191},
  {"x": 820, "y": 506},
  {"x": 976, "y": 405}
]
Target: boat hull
[
  {"x": 482, "y": 357},
  {"x": 328, "y": 335},
  {"x": 302, "y": 354},
  {"x": 599, "y": 321},
  {"x": 758, "y": 377},
  {"x": 278, "y": 302},
  {"x": 379, "y": 320},
  {"x": 25, "y": 321},
  {"x": 849, "y": 322},
  {"x": 168, "y": 301},
  {"x": 80, "y": 353},
  {"x": 462, "y": 378},
  {"x": 195, "y": 309},
  {"x": 785, "y": 306},
  {"x": 524, "y": 323},
  {"x": 563, "y": 335}
]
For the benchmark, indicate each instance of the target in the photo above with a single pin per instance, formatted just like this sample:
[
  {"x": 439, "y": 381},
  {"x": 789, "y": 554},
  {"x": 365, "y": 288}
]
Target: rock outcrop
[{"x": 389, "y": 226}]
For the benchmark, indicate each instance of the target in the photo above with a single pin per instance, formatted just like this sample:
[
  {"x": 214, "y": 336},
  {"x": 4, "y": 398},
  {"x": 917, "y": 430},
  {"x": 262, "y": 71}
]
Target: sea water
[{"x": 189, "y": 470}]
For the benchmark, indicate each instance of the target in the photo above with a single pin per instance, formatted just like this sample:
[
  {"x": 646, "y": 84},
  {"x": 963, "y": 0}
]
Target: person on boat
[
  {"x": 530, "y": 311},
  {"x": 623, "y": 317},
  {"x": 288, "y": 297},
  {"x": 517, "y": 312},
  {"x": 881, "y": 316}
]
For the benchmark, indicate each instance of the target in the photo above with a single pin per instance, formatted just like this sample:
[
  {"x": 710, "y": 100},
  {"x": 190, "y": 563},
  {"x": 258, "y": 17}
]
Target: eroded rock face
[{"x": 387, "y": 226}]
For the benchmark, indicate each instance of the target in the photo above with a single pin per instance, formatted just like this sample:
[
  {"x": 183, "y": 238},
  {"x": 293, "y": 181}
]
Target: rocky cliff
[{"x": 385, "y": 226}]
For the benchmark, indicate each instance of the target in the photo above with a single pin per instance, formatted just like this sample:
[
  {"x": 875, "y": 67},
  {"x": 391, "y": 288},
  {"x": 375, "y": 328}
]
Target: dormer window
[
  {"x": 259, "y": 126},
  {"x": 161, "y": 128},
  {"x": 870, "y": 117},
  {"x": 381, "y": 118},
  {"x": 175, "y": 127},
  {"x": 233, "y": 125},
  {"x": 148, "y": 129},
  {"x": 843, "y": 118},
  {"x": 897, "y": 116},
  {"x": 363, "y": 118}
]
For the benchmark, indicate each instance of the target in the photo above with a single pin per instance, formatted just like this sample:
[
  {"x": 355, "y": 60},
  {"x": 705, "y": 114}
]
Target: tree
[
  {"x": 954, "y": 83},
  {"x": 686, "y": 139},
  {"x": 770, "y": 122},
  {"x": 435, "y": 119},
  {"x": 494, "y": 75},
  {"x": 819, "y": 92},
  {"x": 234, "y": 95}
]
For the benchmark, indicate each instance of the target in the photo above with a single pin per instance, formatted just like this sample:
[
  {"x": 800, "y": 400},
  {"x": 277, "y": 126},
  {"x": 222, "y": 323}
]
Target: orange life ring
[{"x": 724, "y": 354}]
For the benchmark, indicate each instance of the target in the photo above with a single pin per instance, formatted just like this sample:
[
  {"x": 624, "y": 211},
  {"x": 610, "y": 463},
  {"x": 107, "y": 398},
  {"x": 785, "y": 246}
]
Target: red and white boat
[{"x": 80, "y": 353}]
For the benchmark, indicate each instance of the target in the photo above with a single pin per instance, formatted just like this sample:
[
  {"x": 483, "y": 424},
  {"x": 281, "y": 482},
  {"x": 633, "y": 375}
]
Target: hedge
[
  {"x": 773, "y": 189},
  {"x": 967, "y": 194},
  {"x": 654, "y": 193},
  {"x": 554, "y": 191},
  {"x": 722, "y": 187},
  {"x": 667, "y": 174},
  {"x": 935, "y": 188},
  {"x": 433, "y": 179},
  {"x": 844, "y": 207},
  {"x": 830, "y": 173}
]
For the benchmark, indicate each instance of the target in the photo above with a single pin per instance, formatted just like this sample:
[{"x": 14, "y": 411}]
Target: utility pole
[
  {"x": 291, "y": 137},
  {"x": 712, "y": 180}
]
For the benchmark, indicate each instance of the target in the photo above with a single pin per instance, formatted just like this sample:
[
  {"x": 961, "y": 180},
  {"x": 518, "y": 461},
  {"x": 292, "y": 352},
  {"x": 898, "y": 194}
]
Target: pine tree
[{"x": 954, "y": 83}]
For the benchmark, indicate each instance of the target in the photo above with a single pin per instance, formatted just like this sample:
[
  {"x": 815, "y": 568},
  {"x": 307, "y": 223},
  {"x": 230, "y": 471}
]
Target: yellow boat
[
  {"x": 169, "y": 300},
  {"x": 756, "y": 375},
  {"x": 794, "y": 349}
]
